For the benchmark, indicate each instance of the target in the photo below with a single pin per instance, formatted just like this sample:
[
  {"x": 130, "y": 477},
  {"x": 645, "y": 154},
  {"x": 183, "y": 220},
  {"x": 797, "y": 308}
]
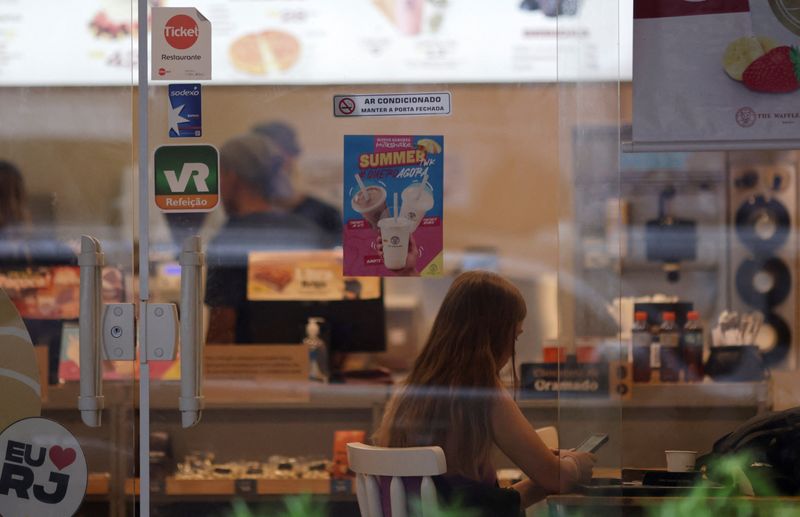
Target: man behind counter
[
  {"x": 254, "y": 186},
  {"x": 326, "y": 216}
]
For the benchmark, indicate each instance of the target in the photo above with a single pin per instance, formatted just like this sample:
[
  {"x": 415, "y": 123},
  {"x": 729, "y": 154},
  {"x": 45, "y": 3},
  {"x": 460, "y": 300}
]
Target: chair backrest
[
  {"x": 369, "y": 462},
  {"x": 549, "y": 436}
]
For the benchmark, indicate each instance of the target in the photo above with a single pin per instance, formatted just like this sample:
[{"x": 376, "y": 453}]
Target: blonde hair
[{"x": 446, "y": 399}]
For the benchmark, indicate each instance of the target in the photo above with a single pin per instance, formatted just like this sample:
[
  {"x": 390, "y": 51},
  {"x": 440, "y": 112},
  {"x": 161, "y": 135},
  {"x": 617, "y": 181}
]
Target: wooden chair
[{"x": 369, "y": 462}]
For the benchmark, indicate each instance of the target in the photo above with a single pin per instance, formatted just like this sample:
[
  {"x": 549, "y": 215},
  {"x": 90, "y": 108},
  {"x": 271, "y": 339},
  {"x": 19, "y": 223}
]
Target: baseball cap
[
  {"x": 257, "y": 161},
  {"x": 282, "y": 134}
]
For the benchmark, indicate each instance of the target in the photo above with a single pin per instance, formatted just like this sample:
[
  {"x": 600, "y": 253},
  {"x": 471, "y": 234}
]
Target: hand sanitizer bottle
[{"x": 317, "y": 351}]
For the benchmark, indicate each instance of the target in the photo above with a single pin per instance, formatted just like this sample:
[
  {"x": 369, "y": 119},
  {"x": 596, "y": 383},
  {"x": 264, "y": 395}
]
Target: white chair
[
  {"x": 549, "y": 436},
  {"x": 368, "y": 462}
]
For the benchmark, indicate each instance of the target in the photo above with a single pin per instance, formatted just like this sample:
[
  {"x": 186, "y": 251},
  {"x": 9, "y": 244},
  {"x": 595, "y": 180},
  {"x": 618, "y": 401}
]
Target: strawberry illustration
[{"x": 777, "y": 71}]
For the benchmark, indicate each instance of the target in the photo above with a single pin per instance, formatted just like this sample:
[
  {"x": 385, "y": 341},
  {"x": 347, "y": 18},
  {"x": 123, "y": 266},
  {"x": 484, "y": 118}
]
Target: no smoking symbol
[{"x": 347, "y": 106}]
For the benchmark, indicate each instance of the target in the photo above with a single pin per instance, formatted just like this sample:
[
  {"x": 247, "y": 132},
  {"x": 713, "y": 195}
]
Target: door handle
[
  {"x": 113, "y": 332},
  {"x": 108, "y": 333},
  {"x": 91, "y": 261},
  {"x": 190, "y": 403}
]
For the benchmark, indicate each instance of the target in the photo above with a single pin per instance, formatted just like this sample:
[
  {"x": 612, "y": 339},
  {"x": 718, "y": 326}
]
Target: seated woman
[{"x": 454, "y": 397}]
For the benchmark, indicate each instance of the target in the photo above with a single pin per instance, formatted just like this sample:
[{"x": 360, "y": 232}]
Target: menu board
[
  {"x": 716, "y": 70},
  {"x": 92, "y": 42}
]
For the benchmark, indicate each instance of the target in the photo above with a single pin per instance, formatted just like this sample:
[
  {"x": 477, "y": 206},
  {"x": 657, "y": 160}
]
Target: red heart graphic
[{"x": 61, "y": 458}]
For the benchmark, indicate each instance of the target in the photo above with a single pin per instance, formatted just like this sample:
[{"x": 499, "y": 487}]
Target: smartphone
[{"x": 593, "y": 443}]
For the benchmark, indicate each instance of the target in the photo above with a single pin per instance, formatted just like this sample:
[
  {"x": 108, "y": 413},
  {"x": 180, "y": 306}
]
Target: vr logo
[
  {"x": 178, "y": 184},
  {"x": 18, "y": 476},
  {"x": 186, "y": 178}
]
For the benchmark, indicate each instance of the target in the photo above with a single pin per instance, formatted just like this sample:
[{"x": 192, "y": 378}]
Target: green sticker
[{"x": 186, "y": 178}]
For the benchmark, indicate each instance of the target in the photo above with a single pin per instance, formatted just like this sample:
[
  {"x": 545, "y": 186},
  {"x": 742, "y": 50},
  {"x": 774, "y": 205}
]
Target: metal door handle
[
  {"x": 192, "y": 340},
  {"x": 91, "y": 261}
]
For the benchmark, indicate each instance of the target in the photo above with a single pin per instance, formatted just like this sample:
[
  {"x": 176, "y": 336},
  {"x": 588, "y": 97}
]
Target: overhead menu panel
[{"x": 88, "y": 42}]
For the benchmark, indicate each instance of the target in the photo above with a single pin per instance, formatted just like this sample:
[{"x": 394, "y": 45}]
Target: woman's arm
[{"x": 518, "y": 440}]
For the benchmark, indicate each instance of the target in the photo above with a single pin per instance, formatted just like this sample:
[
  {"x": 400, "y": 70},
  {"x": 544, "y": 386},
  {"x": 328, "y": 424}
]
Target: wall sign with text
[
  {"x": 554, "y": 380},
  {"x": 322, "y": 41}
]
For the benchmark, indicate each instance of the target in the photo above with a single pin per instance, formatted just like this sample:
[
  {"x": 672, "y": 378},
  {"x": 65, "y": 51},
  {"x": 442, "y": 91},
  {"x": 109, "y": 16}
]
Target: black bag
[{"x": 772, "y": 442}]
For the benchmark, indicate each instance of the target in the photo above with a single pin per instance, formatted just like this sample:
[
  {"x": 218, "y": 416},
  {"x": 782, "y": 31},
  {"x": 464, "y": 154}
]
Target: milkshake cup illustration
[
  {"x": 409, "y": 15},
  {"x": 395, "y": 232},
  {"x": 370, "y": 202},
  {"x": 417, "y": 200}
]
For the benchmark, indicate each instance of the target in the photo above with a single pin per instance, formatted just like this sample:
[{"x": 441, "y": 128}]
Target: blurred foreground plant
[
  {"x": 707, "y": 499},
  {"x": 296, "y": 506},
  {"x": 304, "y": 506}
]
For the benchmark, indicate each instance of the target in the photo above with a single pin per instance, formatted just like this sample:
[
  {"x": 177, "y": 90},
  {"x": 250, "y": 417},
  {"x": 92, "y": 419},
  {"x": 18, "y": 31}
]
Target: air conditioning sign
[{"x": 181, "y": 45}]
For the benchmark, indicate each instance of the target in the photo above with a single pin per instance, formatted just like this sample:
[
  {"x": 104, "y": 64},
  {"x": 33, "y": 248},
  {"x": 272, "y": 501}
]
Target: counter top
[
  {"x": 683, "y": 395},
  {"x": 164, "y": 395},
  {"x": 618, "y": 501}
]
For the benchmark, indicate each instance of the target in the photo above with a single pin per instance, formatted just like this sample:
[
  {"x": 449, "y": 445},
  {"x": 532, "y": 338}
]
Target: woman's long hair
[
  {"x": 446, "y": 399},
  {"x": 13, "y": 202}
]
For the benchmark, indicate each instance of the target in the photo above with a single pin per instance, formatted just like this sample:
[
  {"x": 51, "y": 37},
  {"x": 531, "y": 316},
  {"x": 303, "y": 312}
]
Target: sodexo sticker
[{"x": 43, "y": 470}]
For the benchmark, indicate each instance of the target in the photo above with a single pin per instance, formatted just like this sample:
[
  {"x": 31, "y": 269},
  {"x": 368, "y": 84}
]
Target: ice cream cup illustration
[
  {"x": 417, "y": 200},
  {"x": 395, "y": 232},
  {"x": 405, "y": 14},
  {"x": 371, "y": 204}
]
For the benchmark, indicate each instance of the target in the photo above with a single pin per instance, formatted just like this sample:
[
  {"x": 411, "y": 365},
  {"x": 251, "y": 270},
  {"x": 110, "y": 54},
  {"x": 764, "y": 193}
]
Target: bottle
[
  {"x": 693, "y": 348},
  {"x": 669, "y": 338},
  {"x": 318, "y": 368},
  {"x": 640, "y": 345},
  {"x": 655, "y": 357}
]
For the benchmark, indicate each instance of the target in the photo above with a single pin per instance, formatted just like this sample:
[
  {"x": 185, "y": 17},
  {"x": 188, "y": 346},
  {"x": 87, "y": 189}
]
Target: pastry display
[{"x": 202, "y": 466}]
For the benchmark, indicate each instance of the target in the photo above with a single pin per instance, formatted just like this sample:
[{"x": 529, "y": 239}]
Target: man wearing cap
[
  {"x": 254, "y": 188},
  {"x": 324, "y": 215}
]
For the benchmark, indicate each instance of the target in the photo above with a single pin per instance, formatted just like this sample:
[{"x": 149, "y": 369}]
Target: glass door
[
  {"x": 344, "y": 163},
  {"x": 67, "y": 420}
]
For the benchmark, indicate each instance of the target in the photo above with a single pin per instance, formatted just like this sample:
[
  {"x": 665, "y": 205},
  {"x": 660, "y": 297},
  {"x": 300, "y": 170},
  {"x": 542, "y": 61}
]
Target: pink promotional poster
[{"x": 393, "y": 205}]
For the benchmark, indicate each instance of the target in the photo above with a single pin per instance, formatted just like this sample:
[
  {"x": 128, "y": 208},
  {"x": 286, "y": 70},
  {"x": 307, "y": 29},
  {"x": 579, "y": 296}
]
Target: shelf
[
  {"x": 64, "y": 397},
  {"x": 164, "y": 396},
  {"x": 678, "y": 395},
  {"x": 222, "y": 488},
  {"x": 332, "y": 397}
]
